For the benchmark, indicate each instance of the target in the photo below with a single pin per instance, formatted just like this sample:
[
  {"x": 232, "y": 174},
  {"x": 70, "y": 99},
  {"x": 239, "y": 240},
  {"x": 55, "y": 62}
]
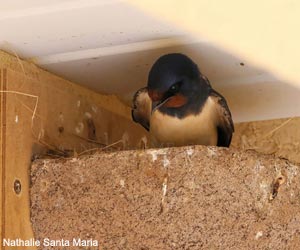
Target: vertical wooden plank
[
  {"x": 2, "y": 151},
  {"x": 17, "y": 146}
]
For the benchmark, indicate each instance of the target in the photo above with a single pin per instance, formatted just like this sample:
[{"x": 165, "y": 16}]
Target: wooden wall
[{"x": 280, "y": 137}]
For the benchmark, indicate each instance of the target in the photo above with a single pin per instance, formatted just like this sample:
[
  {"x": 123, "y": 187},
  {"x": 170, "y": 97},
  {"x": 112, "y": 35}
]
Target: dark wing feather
[
  {"x": 141, "y": 108},
  {"x": 225, "y": 126}
]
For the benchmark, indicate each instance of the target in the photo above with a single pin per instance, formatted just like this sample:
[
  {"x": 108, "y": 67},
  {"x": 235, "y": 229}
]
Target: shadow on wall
[{"x": 252, "y": 93}]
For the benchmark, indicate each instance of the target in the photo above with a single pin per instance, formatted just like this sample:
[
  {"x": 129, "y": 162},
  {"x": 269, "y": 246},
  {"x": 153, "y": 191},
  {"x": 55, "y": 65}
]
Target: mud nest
[{"x": 176, "y": 198}]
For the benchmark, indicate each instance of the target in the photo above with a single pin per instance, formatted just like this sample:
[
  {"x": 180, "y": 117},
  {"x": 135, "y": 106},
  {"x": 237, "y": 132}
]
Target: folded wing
[{"x": 225, "y": 126}]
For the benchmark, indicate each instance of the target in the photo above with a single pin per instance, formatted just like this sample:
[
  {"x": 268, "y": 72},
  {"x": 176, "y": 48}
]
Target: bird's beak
[
  {"x": 157, "y": 104},
  {"x": 157, "y": 99}
]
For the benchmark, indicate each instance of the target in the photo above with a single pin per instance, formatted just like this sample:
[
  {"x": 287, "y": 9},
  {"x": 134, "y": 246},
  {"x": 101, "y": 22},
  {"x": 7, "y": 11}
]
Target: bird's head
[{"x": 172, "y": 80}]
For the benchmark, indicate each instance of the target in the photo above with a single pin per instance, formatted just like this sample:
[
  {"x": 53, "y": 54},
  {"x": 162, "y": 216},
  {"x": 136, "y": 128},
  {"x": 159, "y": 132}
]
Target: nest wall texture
[{"x": 176, "y": 198}]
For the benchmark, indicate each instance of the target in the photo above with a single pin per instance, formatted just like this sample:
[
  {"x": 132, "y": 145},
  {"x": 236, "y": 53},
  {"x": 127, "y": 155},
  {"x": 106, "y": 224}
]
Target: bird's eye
[{"x": 175, "y": 87}]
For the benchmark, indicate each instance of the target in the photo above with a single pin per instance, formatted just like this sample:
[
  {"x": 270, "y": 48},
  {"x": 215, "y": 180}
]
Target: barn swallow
[{"x": 180, "y": 107}]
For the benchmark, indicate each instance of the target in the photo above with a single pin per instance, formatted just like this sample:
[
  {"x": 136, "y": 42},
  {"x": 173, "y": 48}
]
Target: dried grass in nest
[{"x": 270, "y": 133}]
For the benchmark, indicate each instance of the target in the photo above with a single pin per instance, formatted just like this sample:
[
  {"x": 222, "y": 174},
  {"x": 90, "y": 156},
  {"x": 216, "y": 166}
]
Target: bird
[{"x": 179, "y": 107}]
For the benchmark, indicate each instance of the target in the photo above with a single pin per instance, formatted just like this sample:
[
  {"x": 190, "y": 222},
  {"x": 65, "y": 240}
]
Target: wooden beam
[{"x": 2, "y": 152}]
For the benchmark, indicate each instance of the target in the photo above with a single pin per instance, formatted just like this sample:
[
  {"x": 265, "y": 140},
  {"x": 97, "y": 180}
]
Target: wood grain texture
[
  {"x": 2, "y": 152},
  {"x": 29, "y": 69}
]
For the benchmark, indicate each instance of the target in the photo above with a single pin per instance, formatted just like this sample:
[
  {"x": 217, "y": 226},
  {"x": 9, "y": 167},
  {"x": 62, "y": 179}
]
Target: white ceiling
[
  {"x": 51, "y": 27},
  {"x": 110, "y": 45}
]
